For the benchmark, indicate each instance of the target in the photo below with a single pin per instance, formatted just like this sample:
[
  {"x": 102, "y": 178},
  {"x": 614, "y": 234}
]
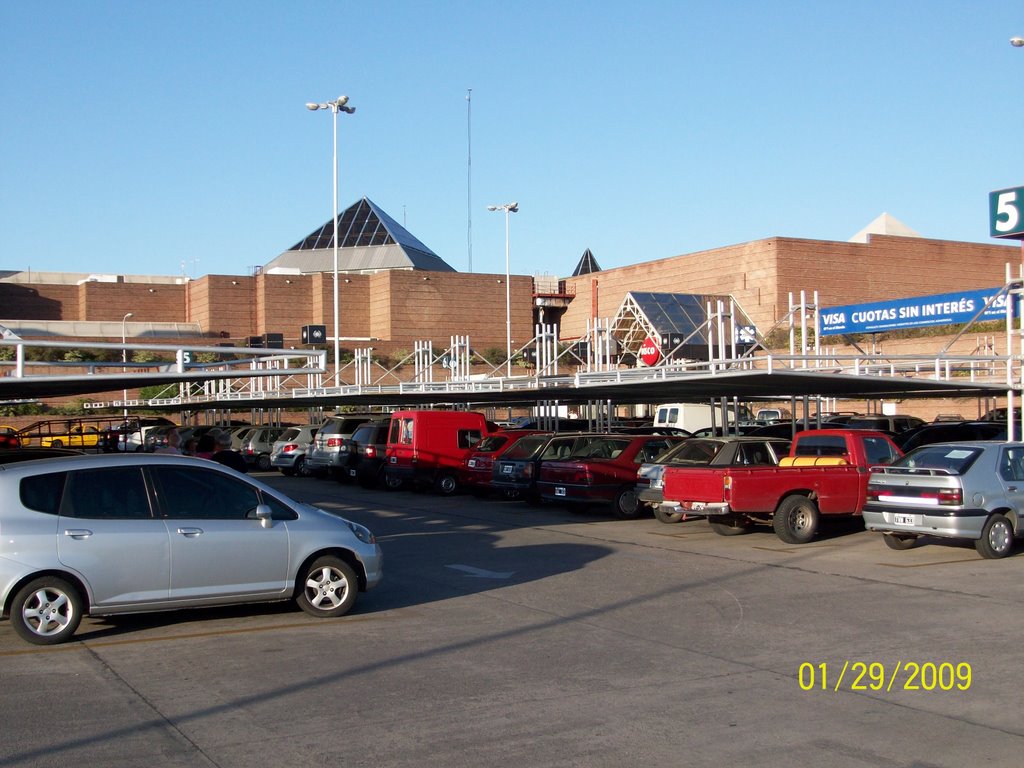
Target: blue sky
[{"x": 170, "y": 138}]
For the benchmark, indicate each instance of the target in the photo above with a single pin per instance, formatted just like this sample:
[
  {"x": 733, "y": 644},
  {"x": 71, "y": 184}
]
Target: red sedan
[{"x": 604, "y": 473}]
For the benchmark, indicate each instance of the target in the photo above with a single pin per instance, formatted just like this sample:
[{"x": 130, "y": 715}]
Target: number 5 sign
[{"x": 1006, "y": 213}]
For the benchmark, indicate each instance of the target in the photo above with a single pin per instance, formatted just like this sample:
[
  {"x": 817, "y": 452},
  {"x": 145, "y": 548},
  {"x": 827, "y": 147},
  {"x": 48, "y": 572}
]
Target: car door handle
[
  {"x": 190, "y": 532},
  {"x": 78, "y": 533}
]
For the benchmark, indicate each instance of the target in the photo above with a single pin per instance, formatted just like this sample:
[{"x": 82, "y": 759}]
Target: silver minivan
[{"x": 102, "y": 535}]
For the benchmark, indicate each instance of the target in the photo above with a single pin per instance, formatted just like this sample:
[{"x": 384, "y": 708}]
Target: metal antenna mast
[{"x": 469, "y": 174}]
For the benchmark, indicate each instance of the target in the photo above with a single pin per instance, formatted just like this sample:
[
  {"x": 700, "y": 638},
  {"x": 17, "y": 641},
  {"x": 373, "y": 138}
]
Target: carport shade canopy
[{"x": 745, "y": 385}]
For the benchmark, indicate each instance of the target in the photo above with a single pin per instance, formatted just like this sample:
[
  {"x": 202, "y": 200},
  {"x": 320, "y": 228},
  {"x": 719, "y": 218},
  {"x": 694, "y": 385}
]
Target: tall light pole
[
  {"x": 124, "y": 366},
  {"x": 336, "y": 106},
  {"x": 507, "y": 208}
]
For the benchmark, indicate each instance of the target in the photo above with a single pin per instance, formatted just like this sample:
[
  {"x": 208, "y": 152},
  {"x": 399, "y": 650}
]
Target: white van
[{"x": 694, "y": 416}]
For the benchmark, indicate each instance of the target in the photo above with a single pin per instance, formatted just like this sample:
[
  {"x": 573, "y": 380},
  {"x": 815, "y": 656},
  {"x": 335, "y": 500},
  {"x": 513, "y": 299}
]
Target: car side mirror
[{"x": 265, "y": 515}]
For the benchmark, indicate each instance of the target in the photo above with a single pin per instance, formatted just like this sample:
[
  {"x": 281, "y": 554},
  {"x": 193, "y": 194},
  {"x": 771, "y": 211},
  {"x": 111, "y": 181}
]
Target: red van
[{"x": 427, "y": 447}]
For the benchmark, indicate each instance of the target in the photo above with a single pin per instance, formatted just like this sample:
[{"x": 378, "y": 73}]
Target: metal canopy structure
[{"x": 619, "y": 386}]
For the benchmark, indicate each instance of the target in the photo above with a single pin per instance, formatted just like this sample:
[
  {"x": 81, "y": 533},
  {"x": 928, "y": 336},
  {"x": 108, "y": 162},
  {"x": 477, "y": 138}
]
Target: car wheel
[
  {"x": 996, "y": 538},
  {"x": 736, "y": 527},
  {"x": 46, "y": 611},
  {"x": 899, "y": 541},
  {"x": 446, "y": 484},
  {"x": 665, "y": 516},
  {"x": 796, "y": 520},
  {"x": 328, "y": 588},
  {"x": 263, "y": 463},
  {"x": 56, "y": 444},
  {"x": 626, "y": 504},
  {"x": 300, "y": 468}
]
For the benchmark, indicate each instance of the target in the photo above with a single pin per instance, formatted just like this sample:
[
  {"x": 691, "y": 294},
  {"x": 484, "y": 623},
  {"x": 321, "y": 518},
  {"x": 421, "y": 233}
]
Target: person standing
[
  {"x": 226, "y": 456},
  {"x": 173, "y": 443}
]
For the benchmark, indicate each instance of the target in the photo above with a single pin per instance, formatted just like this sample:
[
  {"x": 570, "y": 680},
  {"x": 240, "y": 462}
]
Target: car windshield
[
  {"x": 290, "y": 434},
  {"x": 955, "y": 459}
]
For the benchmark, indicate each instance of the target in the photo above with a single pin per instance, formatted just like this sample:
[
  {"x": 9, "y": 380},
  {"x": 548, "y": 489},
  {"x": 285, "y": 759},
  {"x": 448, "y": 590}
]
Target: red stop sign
[{"x": 650, "y": 354}]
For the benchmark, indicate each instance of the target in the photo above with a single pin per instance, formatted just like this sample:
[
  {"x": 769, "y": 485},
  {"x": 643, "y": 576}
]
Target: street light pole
[
  {"x": 507, "y": 208},
  {"x": 338, "y": 105},
  {"x": 124, "y": 366}
]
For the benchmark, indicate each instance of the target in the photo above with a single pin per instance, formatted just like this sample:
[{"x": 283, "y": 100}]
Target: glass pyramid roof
[
  {"x": 673, "y": 312},
  {"x": 362, "y": 223},
  {"x": 586, "y": 265}
]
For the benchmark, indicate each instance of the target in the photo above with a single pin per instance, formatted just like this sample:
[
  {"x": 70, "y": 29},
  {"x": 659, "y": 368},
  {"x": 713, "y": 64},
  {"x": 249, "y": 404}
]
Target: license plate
[
  {"x": 903, "y": 519},
  {"x": 507, "y": 469},
  {"x": 471, "y": 463},
  {"x": 695, "y": 506},
  {"x": 559, "y": 491},
  {"x": 351, "y": 473}
]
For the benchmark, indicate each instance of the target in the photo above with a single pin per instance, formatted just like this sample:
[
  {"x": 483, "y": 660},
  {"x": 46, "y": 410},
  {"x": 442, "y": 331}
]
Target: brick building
[{"x": 393, "y": 291}]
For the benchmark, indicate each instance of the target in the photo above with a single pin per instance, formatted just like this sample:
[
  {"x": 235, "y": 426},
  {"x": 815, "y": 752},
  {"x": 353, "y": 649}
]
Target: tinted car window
[
  {"x": 526, "y": 448},
  {"x": 878, "y": 451},
  {"x": 114, "y": 493},
  {"x": 951, "y": 458},
  {"x": 190, "y": 493},
  {"x": 290, "y": 434},
  {"x": 694, "y": 452},
  {"x": 43, "y": 492},
  {"x": 821, "y": 445},
  {"x": 468, "y": 437}
]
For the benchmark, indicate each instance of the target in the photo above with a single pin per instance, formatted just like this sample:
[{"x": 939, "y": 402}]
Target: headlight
[{"x": 362, "y": 532}]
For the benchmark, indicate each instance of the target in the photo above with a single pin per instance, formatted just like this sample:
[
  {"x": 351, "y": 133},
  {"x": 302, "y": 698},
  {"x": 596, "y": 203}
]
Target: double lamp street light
[
  {"x": 507, "y": 208},
  {"x": 340, "y": 104}
]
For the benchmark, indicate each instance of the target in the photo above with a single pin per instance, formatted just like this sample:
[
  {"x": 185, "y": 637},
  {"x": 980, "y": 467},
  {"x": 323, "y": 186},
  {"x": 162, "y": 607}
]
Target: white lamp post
[
  {"x": 124, "y": 365},
  {"x": 336, "y": 106},
  {"x": 507, "y": 208}
]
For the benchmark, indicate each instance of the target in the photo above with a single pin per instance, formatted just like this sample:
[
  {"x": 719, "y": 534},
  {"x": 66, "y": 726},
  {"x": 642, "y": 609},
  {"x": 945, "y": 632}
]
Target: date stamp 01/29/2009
[{"x": 876, "y": 676}]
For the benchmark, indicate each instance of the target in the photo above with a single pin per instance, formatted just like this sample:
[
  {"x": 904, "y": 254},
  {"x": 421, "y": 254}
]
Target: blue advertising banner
[{"x": 916, "y": 312}]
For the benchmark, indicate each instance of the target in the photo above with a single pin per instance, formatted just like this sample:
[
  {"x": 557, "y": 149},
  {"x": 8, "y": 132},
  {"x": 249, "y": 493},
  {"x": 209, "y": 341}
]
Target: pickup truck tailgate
[{"x": 692, "y": 484}]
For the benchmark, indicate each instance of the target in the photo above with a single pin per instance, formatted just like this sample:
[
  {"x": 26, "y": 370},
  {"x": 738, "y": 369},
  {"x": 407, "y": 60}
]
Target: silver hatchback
[
  {"x": 288, "y": 453},
  {"x": 101, "y": 535}
]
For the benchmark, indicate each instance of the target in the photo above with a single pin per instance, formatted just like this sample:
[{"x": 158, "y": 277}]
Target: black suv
[{"x": 364, "y": 451}]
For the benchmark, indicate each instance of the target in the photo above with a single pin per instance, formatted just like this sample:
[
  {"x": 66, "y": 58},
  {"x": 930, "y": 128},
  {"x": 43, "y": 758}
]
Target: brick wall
[
  {"x": 39, "y": 302},
  {"x": 156, "y": 303},
  {"x": 761, "y": 274}
]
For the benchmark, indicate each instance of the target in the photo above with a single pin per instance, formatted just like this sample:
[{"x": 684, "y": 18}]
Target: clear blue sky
[{"x": 139, "y": 137}]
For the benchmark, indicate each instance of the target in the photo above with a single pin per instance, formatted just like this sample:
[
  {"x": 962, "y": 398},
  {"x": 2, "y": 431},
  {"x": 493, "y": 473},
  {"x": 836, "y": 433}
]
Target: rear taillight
[
  {"x": 290, "y": 447},
  {"x": 946, "y": 496},
  {"x": 370, "y": 451},
  {"x": 528, "y": 470},
  {"x": 334, "y": 442}
]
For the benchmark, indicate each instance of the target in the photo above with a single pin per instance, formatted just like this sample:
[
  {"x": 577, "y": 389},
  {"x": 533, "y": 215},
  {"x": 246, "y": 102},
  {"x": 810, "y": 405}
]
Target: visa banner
[{"x": 916, "y": 312}]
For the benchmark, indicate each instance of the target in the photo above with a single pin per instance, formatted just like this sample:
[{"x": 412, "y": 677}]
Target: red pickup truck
[{"x": 826, "y": 473}]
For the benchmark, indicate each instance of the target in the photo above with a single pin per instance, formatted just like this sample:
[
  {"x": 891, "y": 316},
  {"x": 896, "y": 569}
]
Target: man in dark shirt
[{"x": 224, "y": 455}]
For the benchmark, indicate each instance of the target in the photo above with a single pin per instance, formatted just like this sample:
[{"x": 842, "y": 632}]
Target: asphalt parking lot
[{"x": 505, "y": 634}]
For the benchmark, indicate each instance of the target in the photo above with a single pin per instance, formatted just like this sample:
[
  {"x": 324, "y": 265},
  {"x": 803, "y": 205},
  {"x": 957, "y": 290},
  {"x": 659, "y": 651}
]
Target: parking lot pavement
[{"x": 507, "y": 634}]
